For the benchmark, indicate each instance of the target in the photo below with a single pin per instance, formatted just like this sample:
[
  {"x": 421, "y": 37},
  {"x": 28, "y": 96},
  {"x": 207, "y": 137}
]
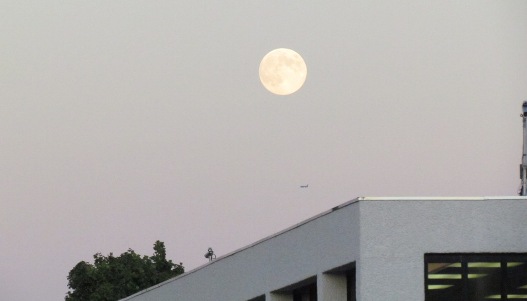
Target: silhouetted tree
[{"x": 111, "y": 278}]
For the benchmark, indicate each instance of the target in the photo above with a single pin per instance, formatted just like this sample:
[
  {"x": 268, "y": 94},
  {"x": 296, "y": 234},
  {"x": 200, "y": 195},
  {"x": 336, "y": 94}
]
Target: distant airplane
[{"x": 304, "y": 186}]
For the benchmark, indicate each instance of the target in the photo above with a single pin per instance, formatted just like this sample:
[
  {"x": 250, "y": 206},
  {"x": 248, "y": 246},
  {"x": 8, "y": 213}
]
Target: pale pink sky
[{"x": 125, "y": 122}]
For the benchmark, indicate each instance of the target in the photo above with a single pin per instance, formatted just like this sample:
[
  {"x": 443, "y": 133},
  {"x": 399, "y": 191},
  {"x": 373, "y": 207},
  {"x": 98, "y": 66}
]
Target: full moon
[{"x": 282, "y": 71}]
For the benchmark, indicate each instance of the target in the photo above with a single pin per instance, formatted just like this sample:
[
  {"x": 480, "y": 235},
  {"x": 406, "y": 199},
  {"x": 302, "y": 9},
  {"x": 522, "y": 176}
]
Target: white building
[{"x": 373, "y": 249}]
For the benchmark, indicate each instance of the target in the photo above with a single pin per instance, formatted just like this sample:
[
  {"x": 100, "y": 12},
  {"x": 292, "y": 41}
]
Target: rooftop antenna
[
  {"x": 210, "y": 254},
  {"x": 523, "y": 166}
]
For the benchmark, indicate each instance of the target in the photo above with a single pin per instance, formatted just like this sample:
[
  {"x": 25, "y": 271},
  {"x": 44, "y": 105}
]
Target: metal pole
[{"x": 523, "y": 165}]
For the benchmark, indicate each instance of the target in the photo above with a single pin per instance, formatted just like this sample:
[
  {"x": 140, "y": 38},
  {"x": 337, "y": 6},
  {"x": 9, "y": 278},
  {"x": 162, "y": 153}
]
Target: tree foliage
[{"x": 111, "y": 278}]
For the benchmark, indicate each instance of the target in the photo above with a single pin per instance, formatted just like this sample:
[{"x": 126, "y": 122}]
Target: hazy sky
[{"x": 125, "y": 122}]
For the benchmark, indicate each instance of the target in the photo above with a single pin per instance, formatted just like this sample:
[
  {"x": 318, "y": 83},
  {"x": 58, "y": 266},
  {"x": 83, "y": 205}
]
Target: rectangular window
[
  {"x": 306, "y": 293},
  {"x": 475, "y": 277},
  {"x": 347, "y": 272},
  {"x": 351, "y": 285}
]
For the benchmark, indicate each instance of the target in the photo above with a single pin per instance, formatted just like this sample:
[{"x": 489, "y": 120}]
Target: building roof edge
[{"x": 356, "y": 200}]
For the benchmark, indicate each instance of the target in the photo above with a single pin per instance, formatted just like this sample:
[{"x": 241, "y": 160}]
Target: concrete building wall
[
  {"x": 395, "y": 235},
  {"x": 385, "y": 237},
  {"x": 318, "y": 245}
]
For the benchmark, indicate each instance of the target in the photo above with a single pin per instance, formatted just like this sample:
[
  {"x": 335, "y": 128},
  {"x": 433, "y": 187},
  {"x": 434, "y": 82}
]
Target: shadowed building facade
[{"x": 375, "y": 249}]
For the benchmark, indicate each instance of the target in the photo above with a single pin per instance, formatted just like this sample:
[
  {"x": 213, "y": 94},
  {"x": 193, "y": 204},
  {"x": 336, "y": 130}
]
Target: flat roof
[{"x": 437, "y": 198}]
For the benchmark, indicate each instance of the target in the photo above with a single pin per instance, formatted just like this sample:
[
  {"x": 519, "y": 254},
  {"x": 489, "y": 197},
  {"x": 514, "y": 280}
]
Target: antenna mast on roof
[
  {"x": 210, "y": 254},
  {"x": 523, "y": 165}
]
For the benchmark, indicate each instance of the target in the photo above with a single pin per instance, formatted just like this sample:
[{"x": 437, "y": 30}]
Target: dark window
[
  {"x": 475, "y": 277},
  {"x": 306, "y": 293},
  {"x": 351, "y": 286}
]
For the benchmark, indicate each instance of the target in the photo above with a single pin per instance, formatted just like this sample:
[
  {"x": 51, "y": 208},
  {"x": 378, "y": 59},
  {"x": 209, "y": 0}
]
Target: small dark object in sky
[{"x": 304, "y": 186}]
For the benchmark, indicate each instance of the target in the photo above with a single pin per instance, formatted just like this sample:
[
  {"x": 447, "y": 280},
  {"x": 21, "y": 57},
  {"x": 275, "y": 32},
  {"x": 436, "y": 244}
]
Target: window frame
[{"x": 464, "y": 259}]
